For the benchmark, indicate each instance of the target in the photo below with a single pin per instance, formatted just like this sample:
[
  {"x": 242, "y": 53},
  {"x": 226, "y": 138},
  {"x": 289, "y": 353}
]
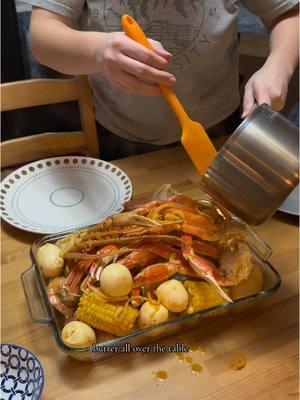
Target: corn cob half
[
  {"x": 202, "y": 296},
  {"x": 111, "y": 318}
]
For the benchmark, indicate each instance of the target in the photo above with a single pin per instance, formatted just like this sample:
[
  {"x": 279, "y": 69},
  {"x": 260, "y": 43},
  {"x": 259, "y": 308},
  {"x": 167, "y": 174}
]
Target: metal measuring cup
[{"x": 256, "y": 168}]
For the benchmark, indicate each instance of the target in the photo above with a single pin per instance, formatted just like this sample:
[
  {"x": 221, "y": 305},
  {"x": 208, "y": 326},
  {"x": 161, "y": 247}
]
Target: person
[{"x": 196, "y": 53}]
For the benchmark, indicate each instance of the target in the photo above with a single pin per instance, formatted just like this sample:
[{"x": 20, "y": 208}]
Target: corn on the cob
[
  {"x": 111, "y": 318},
  {"x": 202, "y": 296}
]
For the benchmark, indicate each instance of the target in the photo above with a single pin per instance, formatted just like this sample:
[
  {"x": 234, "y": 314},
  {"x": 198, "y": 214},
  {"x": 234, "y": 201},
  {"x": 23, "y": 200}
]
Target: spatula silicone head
[{"x": 193, "y": 137}]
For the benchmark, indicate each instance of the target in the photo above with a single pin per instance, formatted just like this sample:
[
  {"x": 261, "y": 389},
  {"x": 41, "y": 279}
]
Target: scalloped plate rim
[{"x": 31, "y": 171}]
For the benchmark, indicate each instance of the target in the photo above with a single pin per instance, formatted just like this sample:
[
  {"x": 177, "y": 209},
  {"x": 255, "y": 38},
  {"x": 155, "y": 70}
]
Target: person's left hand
[{"x": 268, "y": 85}]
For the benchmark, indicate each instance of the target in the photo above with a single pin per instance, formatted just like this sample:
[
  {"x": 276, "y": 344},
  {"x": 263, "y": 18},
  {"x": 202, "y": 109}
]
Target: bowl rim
[{"x": 41, "y": 387}]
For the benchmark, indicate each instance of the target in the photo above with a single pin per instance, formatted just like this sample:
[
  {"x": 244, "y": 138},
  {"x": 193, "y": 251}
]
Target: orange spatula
[{"x": 193, "y": 137}]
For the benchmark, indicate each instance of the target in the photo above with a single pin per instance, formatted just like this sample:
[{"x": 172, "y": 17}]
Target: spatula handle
[{"x": 135, "y": 32}]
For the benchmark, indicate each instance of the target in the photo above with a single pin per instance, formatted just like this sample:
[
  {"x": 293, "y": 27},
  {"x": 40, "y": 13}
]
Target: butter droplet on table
[
  {"x": 238, "y": 362},
  {"x": 196, "y": 368},
  {"x": 161, "y": 375}
]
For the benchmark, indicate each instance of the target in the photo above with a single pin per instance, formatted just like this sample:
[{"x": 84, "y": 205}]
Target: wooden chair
[{"x": 38, "y": 92}]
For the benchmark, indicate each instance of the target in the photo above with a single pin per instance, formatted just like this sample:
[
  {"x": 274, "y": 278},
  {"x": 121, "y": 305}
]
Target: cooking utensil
[
  {"x": 194, "y": 138},
  {"x": 257, "y": 167}
]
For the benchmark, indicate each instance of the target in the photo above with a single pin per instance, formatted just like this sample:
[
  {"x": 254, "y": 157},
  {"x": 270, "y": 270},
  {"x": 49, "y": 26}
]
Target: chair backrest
[{"x": 38, "y": 92}]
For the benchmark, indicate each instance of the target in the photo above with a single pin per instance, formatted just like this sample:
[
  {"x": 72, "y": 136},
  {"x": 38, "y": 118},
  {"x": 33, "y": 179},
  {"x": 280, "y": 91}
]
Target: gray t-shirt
[{"x": 201, "y": 35}]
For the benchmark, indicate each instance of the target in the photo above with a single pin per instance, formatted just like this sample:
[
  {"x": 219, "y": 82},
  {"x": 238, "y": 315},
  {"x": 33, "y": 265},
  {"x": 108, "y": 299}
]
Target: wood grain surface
[{"x": 266, "y": 335}]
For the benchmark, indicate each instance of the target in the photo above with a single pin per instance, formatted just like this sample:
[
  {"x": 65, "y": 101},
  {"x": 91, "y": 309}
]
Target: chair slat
[
  {"x": 38, "y": 92},
  {"x": 41, "y": 146}
]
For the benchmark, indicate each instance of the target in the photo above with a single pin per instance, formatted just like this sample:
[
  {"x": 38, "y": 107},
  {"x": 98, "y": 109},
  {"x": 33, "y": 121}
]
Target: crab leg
[
  {"x": 204, "y": 268},
  {"x": 90, "y": 244},
  {"x": 76, "y": 274},
  {"x": 89, "y": 279},
  {"x": 81, "y": 267},
  {"x": 190, "y": 217},
  {"x": 206, "y": 249},
  {"x": 201, "y": 233},
  {"x": 155, "y": 273},
  {"x": 165, "y": 251},
  {"x": 123, "y": 219},
  {"x": 138, "y": 258}
]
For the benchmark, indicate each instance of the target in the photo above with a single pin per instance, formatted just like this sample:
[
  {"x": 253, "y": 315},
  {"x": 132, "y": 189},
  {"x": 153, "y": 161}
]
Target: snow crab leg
[
  {"x": 155, "y": 273},
  {"x": 204, "y": 268}
]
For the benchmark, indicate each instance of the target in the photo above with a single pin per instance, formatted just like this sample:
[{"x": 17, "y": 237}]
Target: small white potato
[
  {"x": 78, "y": 334},
  {"x": 49, "y": 260},
  {"x": 116, "y": 280},
  {"x": 152, "y": 314},
  {"x": 173, "y": 295}
]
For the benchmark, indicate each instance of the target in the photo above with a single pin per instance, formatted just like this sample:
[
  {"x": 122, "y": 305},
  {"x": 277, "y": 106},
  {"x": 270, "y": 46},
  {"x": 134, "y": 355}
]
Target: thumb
[{"x": 249, "y": 100}]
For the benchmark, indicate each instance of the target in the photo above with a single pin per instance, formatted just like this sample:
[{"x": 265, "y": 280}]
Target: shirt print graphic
[{"x": 177, "y": 24}]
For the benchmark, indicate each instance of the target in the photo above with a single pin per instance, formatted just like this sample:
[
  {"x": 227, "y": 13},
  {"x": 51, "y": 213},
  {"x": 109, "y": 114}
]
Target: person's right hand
[{"x": 132, "y": 67}]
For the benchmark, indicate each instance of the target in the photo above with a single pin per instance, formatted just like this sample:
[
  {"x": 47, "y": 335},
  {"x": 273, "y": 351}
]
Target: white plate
[
  {"x": 63, "y": 193},
  {"x": 291, "y": 203}
]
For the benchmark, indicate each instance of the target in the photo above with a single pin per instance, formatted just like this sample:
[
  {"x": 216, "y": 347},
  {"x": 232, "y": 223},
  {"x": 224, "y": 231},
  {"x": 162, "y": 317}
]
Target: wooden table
[{"x": 267, "y": 335}]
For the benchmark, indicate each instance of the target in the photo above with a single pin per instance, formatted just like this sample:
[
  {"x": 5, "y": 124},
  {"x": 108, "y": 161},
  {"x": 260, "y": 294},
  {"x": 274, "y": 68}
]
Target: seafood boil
[{"x": 148, "y": 264}]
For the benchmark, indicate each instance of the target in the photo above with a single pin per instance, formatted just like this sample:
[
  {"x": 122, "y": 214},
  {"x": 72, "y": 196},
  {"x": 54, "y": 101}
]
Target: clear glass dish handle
[
  {"x": 34, "y": 298},
  {"x": 260, "y": 248}
]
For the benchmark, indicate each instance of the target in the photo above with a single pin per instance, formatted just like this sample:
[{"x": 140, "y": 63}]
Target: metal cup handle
[{"x": 34, "y": 298}]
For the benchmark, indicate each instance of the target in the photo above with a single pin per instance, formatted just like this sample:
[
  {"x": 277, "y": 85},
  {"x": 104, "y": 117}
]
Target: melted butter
[
  {"x": 203, "y": 350},
  {"x": 183, "y": 358},
  {"x": 196, "y": 368},
  {"x": 238, "y": 362},
  {"x": 196, "y": 348},
  {"x": 180, "y": 356},
  {"x": 161, "y": 375}
]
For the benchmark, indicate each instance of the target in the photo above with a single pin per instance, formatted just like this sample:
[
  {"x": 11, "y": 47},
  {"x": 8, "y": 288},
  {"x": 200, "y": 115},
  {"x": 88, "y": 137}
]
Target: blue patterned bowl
[{"x": 22, "y": 376}]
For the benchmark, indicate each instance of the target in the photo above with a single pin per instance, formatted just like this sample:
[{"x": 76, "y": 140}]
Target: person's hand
[
  {"x": 268, "y": 85},
  {"x": 132, "y": 67}
]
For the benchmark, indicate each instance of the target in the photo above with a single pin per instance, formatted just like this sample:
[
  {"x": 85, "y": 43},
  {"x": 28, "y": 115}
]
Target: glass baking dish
[{"x": 42, "y": 312}]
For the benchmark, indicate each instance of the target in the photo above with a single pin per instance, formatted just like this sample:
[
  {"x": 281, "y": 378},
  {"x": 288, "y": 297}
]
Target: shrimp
[{"x": 59, "y": 298}]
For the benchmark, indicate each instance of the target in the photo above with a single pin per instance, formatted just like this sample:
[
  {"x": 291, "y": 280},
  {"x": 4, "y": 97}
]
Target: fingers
[
  {"x": 249, "y": 100},
  {"x": 134, "y": 85},
  {"x": 267, "y": 85},
  {"x": 158, "y": 48},
  {"x": 262, "y": 95},
  {"x": 255, "y": 95},
  {"x": 145, "y": 71},
  {"x": 140, "y": 53},
  {"x": 133, "y": 67}
]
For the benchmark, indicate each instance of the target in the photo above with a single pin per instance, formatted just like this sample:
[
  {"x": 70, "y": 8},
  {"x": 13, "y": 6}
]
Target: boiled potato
[
  {"x": 173, "y": 295},
  {"x": 251, "y": 285},
  {"x": 49, "y": 260},
  {"x": 78, "y": 334},
  {"x": 116, "y": 280},
  {"x": 152, "y": 314}
]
